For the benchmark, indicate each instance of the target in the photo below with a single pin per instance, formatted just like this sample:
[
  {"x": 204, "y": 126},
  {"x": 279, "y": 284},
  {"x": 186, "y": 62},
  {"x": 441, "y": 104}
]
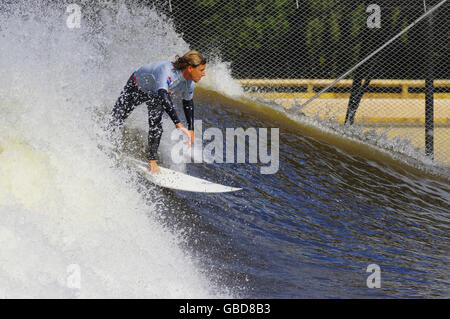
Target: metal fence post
[{"x": 429, "y": 91}]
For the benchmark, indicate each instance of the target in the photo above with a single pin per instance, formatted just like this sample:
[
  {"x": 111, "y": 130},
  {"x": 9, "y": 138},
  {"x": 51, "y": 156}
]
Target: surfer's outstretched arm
[
  {"x": 168, "y": 105},
  {"x": 188, "y": 106},
  {"x": 170, "y": 110}
]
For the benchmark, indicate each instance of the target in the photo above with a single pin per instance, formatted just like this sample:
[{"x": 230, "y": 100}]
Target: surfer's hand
[
  {"x": 191, "y": 134},
  {"x": 153, "y": 167},
  {"x": 186, "y": 132}
]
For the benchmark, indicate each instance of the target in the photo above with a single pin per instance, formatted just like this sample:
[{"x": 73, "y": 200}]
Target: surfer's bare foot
[{"x": 153, "y": 167}]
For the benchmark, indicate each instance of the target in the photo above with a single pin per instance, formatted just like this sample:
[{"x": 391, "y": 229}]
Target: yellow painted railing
[{"x": 312, "y": 86}]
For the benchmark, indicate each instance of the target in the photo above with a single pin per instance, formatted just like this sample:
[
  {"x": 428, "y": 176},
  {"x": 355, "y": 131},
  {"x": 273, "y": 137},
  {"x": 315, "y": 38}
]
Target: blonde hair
[{"x": 192, "y": 58}]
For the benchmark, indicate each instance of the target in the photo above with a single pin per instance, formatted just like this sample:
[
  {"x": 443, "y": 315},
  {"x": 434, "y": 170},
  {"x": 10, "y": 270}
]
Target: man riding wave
[{"x": 153, "y": 84}]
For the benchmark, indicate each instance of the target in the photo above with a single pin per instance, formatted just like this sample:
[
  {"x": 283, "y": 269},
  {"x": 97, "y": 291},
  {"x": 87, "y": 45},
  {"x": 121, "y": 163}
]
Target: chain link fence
[{"x": 383, "y": 64}]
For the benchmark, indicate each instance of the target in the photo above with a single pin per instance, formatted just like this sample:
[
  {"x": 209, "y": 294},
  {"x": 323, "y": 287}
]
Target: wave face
[
  {"x": 68, "y": 212},
  {"x": 332, "y": 209}
]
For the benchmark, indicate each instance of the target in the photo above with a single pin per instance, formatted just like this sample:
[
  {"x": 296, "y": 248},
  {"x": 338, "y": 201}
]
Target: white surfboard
[{"x": 176, "y": 180}]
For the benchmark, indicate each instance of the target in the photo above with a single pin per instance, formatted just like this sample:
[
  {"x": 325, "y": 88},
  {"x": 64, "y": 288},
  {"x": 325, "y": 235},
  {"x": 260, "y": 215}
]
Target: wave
[{"x": 63, "y": 201}]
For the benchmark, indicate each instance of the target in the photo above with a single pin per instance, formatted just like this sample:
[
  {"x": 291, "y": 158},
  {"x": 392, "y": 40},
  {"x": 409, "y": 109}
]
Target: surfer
[{"x": 154, "y": 84}]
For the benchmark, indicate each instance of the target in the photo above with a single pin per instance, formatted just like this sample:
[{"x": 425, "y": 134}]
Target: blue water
[{"x": 312, "y": 229}]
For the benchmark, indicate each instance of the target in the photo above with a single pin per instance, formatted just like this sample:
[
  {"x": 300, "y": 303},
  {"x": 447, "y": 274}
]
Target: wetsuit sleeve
[
  {"x": 188, "y": 107},
  {"x": 168, "y": 105},
  {"x": 188, "y": 93}
]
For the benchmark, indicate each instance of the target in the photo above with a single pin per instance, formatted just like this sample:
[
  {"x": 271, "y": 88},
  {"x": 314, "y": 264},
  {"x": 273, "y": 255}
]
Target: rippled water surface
[{"x": 313, "y": 228}]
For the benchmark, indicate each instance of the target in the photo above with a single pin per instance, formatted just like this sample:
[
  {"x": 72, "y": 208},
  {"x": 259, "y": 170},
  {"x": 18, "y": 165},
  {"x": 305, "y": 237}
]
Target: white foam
[
  {"x": 218, "y": 78},
  {"x": 63, "y": 202}
]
